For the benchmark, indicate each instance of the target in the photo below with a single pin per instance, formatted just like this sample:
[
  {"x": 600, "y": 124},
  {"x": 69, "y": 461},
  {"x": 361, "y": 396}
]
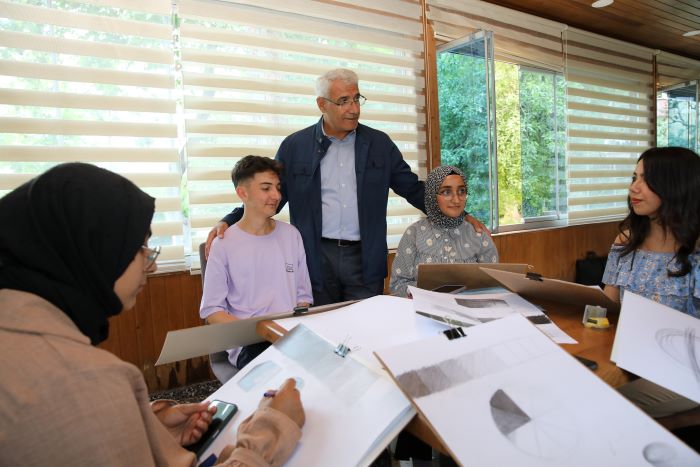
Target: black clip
[
  {"x": 454, "y": 333},
  {"x": 533, "y": 276},
  {"x": 300, "y": 310}
]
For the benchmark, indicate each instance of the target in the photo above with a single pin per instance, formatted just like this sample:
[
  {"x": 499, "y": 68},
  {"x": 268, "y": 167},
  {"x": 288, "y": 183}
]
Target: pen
[{"x": 270, "y": 393}]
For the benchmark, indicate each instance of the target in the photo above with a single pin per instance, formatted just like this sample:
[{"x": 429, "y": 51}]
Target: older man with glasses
[{"x": 337, "y": 175}]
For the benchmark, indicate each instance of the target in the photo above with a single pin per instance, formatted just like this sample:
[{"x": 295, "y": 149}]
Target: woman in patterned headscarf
[{"x": 443, "y": 237}]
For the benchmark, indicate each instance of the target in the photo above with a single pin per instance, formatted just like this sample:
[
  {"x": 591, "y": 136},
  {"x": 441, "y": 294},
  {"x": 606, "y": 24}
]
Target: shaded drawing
[
  {"x": 682, "y": 346},
  {"x": 506, "y": 413},
  {"x": 482, "y": 303},
  {"x": 445, "y": 374},
  {"x": 659, "y": 454},
  {"x": 259, "y": 375},
  {"x": 539, "y": 319},
  {"x": 317, "y": 356},
  {"x": 546, "y": 431}
]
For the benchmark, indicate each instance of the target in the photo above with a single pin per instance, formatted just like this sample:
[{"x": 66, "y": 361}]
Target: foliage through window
[{"x": 527, "y": 106}]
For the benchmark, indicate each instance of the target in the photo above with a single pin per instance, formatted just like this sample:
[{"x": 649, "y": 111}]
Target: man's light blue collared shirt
[{"x": 339, "y": 190}]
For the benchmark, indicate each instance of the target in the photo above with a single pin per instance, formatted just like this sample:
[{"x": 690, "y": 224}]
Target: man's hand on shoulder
[
  {"x": 478, "y": 226},
  {"x": 217, "y": 231}
]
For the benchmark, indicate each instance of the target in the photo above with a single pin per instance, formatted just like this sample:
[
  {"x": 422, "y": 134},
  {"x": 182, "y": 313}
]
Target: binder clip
[
  {"x": 454, "y": 333},
  {"x": 300, "y": 310},
  {"x": 533, "y": 276}
]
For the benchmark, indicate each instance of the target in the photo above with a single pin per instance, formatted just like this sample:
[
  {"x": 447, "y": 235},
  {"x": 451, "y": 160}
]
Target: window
[
  {"x": 610, "y": 122},
  {"x": 528, "y": 107},
  {"x": 677, "y": 116},
  {"x": 92, "y": 83},
  {"x": 572, "y": 112},
  {"x": 172, "y": 94},
  {"x": 503, "y": 109}
]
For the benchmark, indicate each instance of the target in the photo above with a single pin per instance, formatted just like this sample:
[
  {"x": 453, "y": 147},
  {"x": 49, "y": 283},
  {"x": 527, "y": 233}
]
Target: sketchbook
[
  {"x": 504, "y": 394},
  {"x": 535, "y": 286},
  {"x": 660, "y": 344},
  {"x": 471, "y": 310},
  {"x": 352, "y": 411}
]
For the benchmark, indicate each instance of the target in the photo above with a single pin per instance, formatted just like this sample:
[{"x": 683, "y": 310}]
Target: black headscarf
[
  {"x": 432, "y": 186},
  {"x": 68, "y": 235}
]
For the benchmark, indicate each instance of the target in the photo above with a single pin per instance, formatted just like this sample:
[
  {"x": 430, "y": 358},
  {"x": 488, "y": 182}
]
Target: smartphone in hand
[{"x": 224, "y": 413}]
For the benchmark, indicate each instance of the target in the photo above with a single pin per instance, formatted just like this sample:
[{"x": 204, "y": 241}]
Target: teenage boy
[{"x": 259, "y": 267}]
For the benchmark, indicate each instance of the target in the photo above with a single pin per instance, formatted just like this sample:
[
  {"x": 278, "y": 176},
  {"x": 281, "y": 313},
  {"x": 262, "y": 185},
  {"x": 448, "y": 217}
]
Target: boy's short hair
[{"x": 250, "y": 165}]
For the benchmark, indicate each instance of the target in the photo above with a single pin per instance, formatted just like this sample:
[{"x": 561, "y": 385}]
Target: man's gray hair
[{"x": 323, "y": 82}]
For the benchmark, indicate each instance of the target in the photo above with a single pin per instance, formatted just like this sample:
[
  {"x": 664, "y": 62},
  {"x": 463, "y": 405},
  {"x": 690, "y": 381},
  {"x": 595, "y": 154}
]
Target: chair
[{"x": 218, "y": 361}]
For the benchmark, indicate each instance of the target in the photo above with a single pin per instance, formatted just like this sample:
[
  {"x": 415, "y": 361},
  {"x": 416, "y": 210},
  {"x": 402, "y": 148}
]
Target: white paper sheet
[
  {"x": 371, "y": 324},
  {"x": 507, "y": 395},
  {"x": 352, "y": 411},
  {"x": 470, "y": 310},
  {"x": 660, "y": 344}
]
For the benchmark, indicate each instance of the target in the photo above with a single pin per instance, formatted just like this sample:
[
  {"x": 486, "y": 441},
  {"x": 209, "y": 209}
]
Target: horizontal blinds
[
  {"x": 92, "y": 82},
  {"x": 609, "y": 121},
  {"x": 673, "y": 69},
  {"x": 518, "y": 37},
  {"x": 249, "y": 69}
]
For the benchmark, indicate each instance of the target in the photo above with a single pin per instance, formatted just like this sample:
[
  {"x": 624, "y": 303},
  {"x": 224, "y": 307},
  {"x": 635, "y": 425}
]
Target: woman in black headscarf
[
  {"x": 442, "y": 237},
  {"x": 73, "y": 252}
]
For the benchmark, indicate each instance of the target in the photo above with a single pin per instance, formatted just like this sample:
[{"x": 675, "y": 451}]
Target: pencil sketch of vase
[{"x": 682, "y": 346}]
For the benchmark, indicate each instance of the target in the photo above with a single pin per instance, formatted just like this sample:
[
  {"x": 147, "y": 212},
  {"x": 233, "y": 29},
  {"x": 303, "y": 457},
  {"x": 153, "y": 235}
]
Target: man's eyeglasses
[
  {"x": 346, "y": 101},
  {"x": 151, "y": 255},
  {"x": 448, "y": 193}
]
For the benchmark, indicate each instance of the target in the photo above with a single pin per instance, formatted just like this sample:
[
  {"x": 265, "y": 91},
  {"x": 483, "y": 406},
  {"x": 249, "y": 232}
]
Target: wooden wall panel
[
  {"x": 171, "y": 301},
  {"x": 553, "y": 252}
]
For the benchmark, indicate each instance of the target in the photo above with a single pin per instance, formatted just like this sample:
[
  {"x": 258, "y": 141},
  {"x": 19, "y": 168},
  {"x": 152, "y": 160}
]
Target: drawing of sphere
[
  {"x": 681, "y": 345},
  {"x": 659, "y": 454}
]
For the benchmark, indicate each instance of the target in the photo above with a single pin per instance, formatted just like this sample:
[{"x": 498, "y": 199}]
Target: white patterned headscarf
[{"x": 432, "y": 186}]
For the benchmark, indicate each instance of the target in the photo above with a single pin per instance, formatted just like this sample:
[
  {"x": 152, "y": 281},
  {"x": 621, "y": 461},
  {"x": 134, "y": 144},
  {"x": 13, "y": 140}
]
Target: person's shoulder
[
  {"x": 421, "y": 224},
  {"x": 622, "y": 239},
  {"x": 300, "y": 135}
]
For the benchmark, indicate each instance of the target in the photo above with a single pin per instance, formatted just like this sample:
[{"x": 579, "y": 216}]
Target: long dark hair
[{"x": 672, "y": 173}]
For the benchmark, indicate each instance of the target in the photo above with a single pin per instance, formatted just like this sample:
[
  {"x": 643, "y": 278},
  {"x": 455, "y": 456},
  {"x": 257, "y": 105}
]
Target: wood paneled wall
[{"x": 171, "y": 301}]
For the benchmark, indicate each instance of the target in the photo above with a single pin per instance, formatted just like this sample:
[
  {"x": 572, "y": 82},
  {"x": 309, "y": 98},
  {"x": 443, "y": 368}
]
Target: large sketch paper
[
  {"x": 660, "y": 344},
  {"x": 371, "y": 324},
  {"x": 470, "y": 310},
  {"x": 507, "y": 395},
  {"x": 352, "y": 411},
  {"x": 469, "y": 275},
  {"x": 553, "y": 289},
  {"x": 202, "y": 340}
]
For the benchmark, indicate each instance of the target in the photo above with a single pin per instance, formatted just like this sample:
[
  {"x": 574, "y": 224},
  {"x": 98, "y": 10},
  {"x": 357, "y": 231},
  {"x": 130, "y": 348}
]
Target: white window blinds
[
  {"x": 518, "y": 37},
  {"x": 249, "y": 69},
  {"x": 92, "y": 82},
  {"x": 610, "y": 121},
  {"x": 673, "y": 69}
]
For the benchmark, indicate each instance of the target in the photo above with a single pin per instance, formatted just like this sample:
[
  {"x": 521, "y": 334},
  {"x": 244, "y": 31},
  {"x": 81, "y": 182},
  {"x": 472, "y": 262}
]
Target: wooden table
[{"x": 593, "y": 344}]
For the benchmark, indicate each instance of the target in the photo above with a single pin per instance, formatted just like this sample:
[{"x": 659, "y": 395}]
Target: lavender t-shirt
[{"x": 250, "y": 275}]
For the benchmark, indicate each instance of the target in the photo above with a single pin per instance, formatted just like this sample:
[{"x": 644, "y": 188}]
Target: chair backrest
[
  {"x": 202, "y": 260},
  {"x": 218, "y": 362}
]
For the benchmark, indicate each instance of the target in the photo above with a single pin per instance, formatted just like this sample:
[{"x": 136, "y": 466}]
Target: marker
[{"x": 270, "y": 393}]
